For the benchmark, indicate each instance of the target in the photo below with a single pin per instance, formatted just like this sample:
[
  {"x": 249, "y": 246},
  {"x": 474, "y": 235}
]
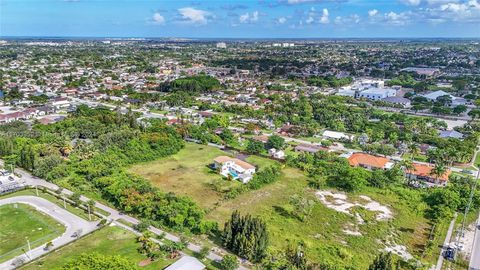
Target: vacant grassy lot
[
  {"x": 323, "y": 232},
  {"x": 21, "y": 221},
  {"x": 187, "y": 173},
  {"x": 107, "y": 241}
]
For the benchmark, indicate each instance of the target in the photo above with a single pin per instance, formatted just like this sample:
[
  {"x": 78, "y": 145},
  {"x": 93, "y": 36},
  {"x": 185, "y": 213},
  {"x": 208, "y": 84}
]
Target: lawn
[
  {"x": 187, "y": 173},
  {"x": 20, "y": 222},
  {"x": 109, "y": 240}
]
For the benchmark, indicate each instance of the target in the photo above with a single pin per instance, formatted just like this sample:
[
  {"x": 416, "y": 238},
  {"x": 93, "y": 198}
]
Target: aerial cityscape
[{"x": 223, "y": 135}]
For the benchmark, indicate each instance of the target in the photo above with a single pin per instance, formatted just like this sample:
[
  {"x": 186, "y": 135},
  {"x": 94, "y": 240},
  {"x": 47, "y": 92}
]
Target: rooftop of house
[
  {"x": 186, "y": 263},
  {"x": 426, "y": 171},
  {"x": 241, "y": 163},
  {"x": 368, "y": 160}
]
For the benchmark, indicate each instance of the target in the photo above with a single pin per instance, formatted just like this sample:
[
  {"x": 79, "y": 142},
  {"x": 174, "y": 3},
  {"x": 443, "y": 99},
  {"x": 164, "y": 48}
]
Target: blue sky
[{"x": 241, "y": 19}]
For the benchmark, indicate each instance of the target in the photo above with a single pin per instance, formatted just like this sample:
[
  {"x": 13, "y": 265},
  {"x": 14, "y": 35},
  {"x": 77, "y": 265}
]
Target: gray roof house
[
  {"x": 451, "y": 134},
  {"x": 186, "y": 263}
]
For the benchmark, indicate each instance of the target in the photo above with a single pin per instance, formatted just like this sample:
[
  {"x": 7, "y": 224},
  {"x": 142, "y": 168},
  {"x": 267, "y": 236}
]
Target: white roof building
[
  {"x": 186, "y": 263},
  {"x": 336, "y": 135}
]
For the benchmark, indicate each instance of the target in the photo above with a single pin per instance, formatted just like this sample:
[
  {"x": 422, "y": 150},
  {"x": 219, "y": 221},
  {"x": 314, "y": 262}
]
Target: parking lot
[{"x": 9, "y": 182}]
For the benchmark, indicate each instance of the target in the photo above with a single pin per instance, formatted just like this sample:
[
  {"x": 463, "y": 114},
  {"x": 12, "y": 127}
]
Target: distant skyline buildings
[{"x": 241, "y": 19}]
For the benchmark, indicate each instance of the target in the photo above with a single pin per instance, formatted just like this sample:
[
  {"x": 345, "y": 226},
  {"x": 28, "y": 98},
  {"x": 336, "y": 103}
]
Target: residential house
[
  {"x": 423, "y": 172},
  {"x": 370, "y": 162},
  {"x": 234, "y": 168},
  {"x": 261, "y": 138},
  {"x": 451, "y": 134},
  {"x": 405, "y": 102},
  {"x": 278, "y": 154},
  {"x": 309, "y": 148},
  {"x": 186, "y": 263},
  {"x": 327, "y": 134}
]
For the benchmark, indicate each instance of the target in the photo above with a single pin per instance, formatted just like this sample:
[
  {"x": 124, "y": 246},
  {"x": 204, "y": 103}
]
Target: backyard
[{"x": 20, "y": 222}]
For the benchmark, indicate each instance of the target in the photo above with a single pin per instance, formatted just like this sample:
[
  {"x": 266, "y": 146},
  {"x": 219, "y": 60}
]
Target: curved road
[{"x": 71, "y": 222}]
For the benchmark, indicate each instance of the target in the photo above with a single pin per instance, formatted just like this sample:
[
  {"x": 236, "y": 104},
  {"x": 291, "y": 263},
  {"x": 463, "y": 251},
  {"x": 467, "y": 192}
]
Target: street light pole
[
  {"x": 64, "y": 202},
  {"x": 28, "y": 244},
  {"x": 89, "y": 214}
]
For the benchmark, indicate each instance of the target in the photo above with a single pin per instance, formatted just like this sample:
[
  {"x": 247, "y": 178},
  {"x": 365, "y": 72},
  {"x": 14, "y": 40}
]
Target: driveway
[{"x": 71, "y": 222}]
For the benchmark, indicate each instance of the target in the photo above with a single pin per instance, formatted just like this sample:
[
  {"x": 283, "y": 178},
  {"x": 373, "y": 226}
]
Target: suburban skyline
[{"x": 241, "y": 19}]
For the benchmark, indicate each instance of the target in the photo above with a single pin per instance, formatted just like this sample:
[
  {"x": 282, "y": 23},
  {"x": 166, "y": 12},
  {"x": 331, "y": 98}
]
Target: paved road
[
  {"x": 475, "y": 254},
  {"x": 446, "y": 243},
  {"x": 115, "y": 215},
  {"x": 72, "y": 224}
]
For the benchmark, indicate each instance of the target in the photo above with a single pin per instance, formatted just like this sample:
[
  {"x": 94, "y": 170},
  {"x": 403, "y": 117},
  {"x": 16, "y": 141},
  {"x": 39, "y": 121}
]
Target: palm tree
[
  {"x": 414, "y": 149},
  {"x": 406, "y": 165},
  {"x": 438, "y": 170}
]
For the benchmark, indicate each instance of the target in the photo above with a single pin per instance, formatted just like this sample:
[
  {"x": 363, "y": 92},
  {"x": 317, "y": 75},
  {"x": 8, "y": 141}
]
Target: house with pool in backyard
[{"x": 234, "y": 168}]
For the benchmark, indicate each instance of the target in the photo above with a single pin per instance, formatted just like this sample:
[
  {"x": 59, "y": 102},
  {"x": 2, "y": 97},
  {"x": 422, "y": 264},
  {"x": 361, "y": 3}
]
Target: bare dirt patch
[{"x": 341, "y": 203}]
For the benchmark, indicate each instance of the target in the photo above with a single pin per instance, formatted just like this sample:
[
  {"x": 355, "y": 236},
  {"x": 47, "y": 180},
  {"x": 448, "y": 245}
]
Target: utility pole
[
  {"x": 64, "y": 202},
  {"x": 89, "y": 214}
]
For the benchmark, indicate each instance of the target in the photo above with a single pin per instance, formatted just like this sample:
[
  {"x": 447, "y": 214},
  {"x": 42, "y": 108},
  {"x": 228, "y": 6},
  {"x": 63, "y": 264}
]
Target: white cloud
[
  {"x": 194, "y": 16},
  {"x": 309, "y": 20},
  {"x": 324, "y": 19},
  {"x": 462, "y": 12},
  {"x": 397, "y": 18},
  {"x": 372, "y": 12},
  {"x": 412, "y": 2},
  {"x": 281, "y": 20},
  {"x": 249, "y": 17},
  {"x": 349, "y": 20},
  {"x": 158, "y": 18}
]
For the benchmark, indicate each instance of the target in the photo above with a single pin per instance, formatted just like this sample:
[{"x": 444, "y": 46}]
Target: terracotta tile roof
[
  {"x": 426, "y": 171},
  {"x": 357, "y": 159},
  {"x": 241, "y": 163}
]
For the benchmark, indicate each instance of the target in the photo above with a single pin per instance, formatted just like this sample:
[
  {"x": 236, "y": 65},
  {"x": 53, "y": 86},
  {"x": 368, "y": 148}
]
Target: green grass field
[
  {"x": 187, "y": 173},
  {"x": 107, "y": 241},
  {"x": 21, "y": 221}
]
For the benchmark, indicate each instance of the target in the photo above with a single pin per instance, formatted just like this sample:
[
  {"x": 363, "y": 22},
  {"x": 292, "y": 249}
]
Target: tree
[
  {"x": 246, "y": 236},
  {"x": 406, "y": 165},
  {"x": 442, "y": 203},
  {"x": 459, "y": 109},
  {"x": 275, "y": 141},
  {"x": 141, "y": 226},
  {"x": 302, "y": 206},
  {"x": 203, "y": 253},
  {"x": 95, "y": 261},
  {"x": 75, "y": 197},
  {"x": 296, "y": 257},
  {"x": 383, "y": 261},
  {"x": 438, "y": 170},
  {"x": 229, "y": 262},
  {"x": 254, "y": 147}
]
